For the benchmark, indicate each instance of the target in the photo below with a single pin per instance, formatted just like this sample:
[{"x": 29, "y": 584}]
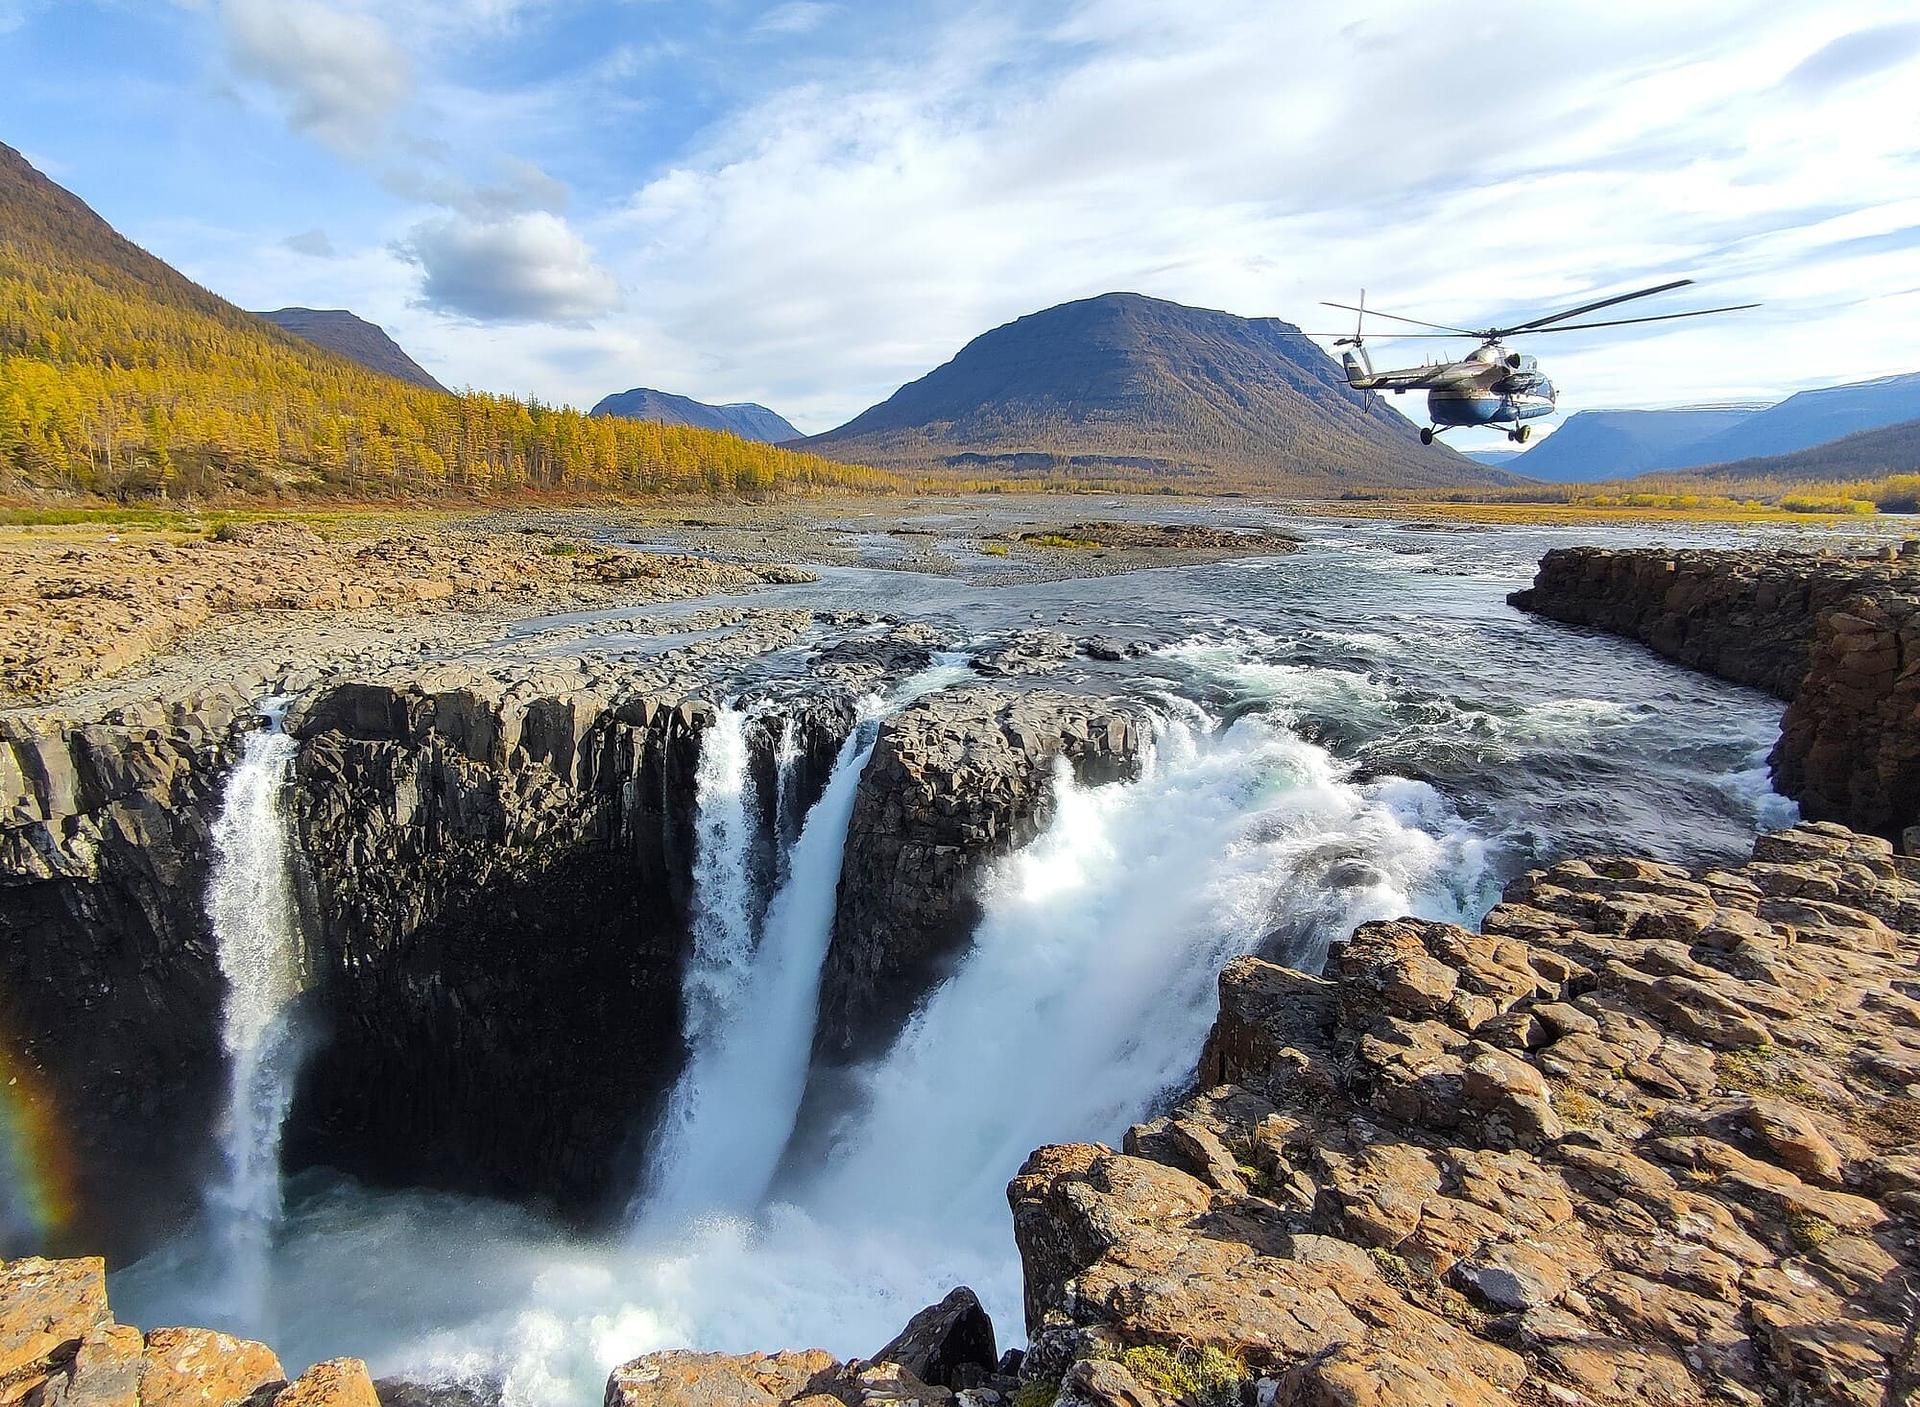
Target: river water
[{"x": 1356, "y": 730}]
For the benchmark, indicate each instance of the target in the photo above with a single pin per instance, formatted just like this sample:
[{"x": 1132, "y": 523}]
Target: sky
[{"x": 807, "y": 203}]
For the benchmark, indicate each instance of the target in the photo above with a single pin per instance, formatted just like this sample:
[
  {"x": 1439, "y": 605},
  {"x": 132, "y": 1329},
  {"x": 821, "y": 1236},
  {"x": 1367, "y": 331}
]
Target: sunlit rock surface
[{"x": 1650, "y": 1135}]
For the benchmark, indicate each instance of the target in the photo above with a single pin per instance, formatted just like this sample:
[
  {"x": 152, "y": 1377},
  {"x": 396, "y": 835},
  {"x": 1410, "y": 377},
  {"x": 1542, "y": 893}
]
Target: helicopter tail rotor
[{"x": 1358, "y": 364}]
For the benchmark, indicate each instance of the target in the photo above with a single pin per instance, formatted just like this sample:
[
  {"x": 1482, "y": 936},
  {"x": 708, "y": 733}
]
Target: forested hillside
[
  {"x": 120, "y": 377},
  {"x": 1871, "y": 454}
]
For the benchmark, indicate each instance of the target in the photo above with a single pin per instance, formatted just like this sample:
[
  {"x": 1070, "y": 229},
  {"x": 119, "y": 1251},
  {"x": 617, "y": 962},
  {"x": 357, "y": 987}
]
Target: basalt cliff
[
  {"x": 1838, "y": 637},
  {"x": 494, "y": 870}
]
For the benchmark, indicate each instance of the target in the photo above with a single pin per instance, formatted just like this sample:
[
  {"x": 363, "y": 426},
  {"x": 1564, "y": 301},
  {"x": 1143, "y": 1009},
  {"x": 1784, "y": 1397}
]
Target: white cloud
[
  {"x": 337, "y": 72},
  {"x": 834, "y": 239},
  {"x": 795, "y": 17},
  {"x": 529, "y": 267}
]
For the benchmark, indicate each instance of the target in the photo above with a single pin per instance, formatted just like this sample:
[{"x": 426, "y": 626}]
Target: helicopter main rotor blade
[
  {"x": 1596, "y": 306},
  {"x": 1397, "y": 336},
  {"x": 1375, "y": 312},
  {"x": 1624, "y": 322}
]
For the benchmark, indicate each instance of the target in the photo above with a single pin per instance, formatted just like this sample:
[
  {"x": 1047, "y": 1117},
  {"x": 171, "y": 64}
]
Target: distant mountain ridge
[
  {"x": 1615, "y": 444},
  {"x": 1123, "y": 386},
  {"x": 1870, "y": 454},
  {"x": 743, "y": 418},
  {"x": 1811, "y": 418},
  {"x": 340, "y": 331}
]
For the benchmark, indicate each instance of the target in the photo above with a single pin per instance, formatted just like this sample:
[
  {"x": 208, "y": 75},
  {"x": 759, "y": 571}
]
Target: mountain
[
  {"x": 1808, "y": 419},
  {"x": 1127, "y": 387},
  {"x": 1870, "y": 454},
  {"x": 742, "y": 418},
  {"x": 120, "y": 377},
  {"x": 1614, "y": 444},
  {"x": 1496, "y": 458},
  {"x": 340, "y": 331}
]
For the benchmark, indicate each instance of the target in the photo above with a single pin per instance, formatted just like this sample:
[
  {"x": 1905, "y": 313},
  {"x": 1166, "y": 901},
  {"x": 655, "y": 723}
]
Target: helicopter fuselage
[
  {"x": 1490, "y": 386},
  {"x": 1507, "y": 399}
]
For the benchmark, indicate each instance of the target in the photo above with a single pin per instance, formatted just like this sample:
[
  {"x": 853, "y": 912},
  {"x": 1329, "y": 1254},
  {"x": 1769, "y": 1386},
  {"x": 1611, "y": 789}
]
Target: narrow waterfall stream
[
  {"x": 255, "y": 919},
  {"x": 708, "y": 1157},
  {"x": 786, "y": 755}
]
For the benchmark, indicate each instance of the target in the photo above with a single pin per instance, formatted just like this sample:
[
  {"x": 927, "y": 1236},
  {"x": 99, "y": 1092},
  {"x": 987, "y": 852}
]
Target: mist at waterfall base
[
  {"x": 1087, "y": 993},
  {"x": 1277, "y": 812}
]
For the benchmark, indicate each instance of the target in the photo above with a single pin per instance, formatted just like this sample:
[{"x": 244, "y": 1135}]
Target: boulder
[
  {"x": 681, "y": 1378},
  {"x": 46, "y": 1308},
  {"x": 338, "y": 1382},
  {"x": 943, "y": 1339},
  {"x": 200, "y": 1368}
]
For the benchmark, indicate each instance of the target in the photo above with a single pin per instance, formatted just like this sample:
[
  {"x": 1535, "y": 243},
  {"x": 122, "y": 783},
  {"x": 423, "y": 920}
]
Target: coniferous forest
[{"x": 121, "y": 378}]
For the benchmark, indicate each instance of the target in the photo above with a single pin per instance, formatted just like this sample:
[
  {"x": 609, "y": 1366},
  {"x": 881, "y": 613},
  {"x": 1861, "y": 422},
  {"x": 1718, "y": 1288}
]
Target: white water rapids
[
  {"x": 256, "y": 929},
  {"x": 1084, "y": 1000}
]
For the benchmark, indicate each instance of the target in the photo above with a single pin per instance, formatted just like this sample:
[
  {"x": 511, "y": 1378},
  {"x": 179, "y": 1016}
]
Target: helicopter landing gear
[{"x": 1520, "y": 434}]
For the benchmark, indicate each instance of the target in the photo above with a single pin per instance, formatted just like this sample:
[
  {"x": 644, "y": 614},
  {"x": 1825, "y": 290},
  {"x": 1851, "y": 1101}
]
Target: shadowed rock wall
[
  {"x": 1839, "y": 637},
  {"x": 502, "y": 881},
  {"x": 109, "y": 988}
]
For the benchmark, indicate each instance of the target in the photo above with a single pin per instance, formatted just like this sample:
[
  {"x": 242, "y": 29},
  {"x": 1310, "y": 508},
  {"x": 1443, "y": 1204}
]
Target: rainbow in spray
[{"x": 37, "y": 1198}]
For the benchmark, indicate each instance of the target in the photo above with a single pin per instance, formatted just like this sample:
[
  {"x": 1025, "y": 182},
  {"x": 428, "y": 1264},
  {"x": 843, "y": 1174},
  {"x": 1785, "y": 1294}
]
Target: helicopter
[{"x": 1491, "y": 385}]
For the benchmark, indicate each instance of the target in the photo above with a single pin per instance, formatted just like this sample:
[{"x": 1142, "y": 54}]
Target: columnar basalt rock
[
  {"x": 1748, "y": 616},
  {"x": 1850, "y": 744},
  {"x": 500, "y": 883},
  {"x": 1647, "y": 1137},
  {"x": 109, "y": 990},
  {"x": 955, "y": 780},
  {"x": 1839, "y": 637}
]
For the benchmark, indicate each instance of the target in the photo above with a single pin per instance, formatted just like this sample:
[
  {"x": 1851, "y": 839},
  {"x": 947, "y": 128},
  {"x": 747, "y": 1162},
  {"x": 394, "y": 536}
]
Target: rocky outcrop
[
  {"x": 952, "y": 1341},
  {"x": 955, "y": 780},
  {"x": 680, "y": 1378},
  {"x": 1649, "y": 1136},
  {"x": 1748, "y": 616},
  {"x": 109, "y": 990},
  {"x": 60, "y": 1347},
  {"x": 501, "y": 885},
  {"x": 1849, "y": 746},
  {"x": 1837, "y": 636}
]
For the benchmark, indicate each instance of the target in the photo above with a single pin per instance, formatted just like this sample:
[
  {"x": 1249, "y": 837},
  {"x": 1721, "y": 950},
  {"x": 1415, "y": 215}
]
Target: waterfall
[
  {"x": 256, "y": 930},
  {"x": 1090, "y": 984},
  {"x": 786, "y": 754},
  {"x": 733, "y": 1108},
  {"x": 717, "y": 979}
]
